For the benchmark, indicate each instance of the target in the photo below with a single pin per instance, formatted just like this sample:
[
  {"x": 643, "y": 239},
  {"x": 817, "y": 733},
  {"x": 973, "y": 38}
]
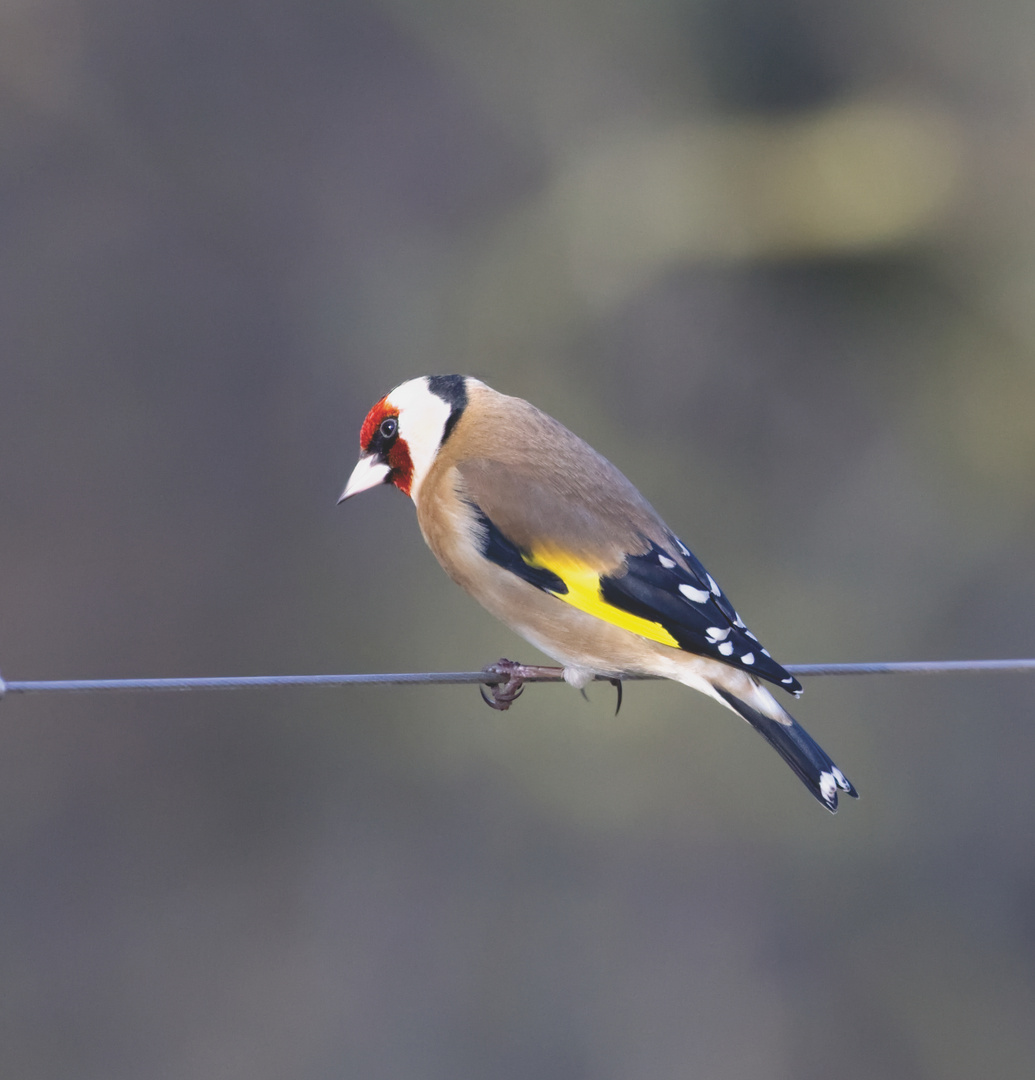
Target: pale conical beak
[{"x": 368, "y": 473}]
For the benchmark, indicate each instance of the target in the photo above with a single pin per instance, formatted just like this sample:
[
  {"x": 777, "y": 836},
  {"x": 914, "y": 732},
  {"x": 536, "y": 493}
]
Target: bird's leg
[
  {"x": 504, "y": 693},
  {"x": 507, "y": 679}
]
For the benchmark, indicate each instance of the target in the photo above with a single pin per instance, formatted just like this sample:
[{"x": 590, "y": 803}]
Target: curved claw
[
  {"x": 617, "y": 684},
  {"x": 488, "y": 700},
  {"x": 506, "y": 693},
  {"x": 511, "y": 691},
  {"x": 503, "y": 694}
]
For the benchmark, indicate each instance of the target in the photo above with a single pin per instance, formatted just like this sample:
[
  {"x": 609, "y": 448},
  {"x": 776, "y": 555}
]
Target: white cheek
[{"x": 422, "y": 423}]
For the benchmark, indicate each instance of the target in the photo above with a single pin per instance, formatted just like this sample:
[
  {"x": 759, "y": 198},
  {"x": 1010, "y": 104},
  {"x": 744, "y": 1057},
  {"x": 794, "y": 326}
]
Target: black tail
[{"x": 797, "y": 747}]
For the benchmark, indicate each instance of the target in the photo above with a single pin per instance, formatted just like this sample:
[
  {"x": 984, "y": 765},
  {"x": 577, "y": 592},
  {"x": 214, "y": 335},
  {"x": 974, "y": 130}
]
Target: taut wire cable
[{"x": 492, "y": 675}]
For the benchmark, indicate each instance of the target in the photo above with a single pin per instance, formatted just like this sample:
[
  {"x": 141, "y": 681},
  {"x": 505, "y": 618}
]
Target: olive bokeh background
[{"x": 775, "y": 259}]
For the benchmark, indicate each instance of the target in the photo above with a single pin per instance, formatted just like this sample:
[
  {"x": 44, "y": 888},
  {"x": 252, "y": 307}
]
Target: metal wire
[
  {"x": 912, "y": 667},
  {"x": 490, "y": 676}
]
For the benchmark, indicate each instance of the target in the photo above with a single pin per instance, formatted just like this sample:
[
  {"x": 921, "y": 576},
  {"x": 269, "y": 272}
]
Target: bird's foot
[
  {"x": 508, "y": 689},
  {"x": 506, "y": 680}
]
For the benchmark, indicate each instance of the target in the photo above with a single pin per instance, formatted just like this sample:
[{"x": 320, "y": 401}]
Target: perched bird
[{"x": 551, "y": 538}]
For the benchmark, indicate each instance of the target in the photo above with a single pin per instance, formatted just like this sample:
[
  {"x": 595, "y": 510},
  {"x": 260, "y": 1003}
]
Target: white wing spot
[
  {"x": 839, "y": 776},
  {"x": 738, "y": 622},
  {"x": 682, "y": 547},
  {"x": 766, "y": 652},
  {"x": 726, "y": 648},
  {"x": 748, "y": 658},
  {"x": 666, "y": 562},
  {"x": 827, "y": 786},
  {"x": 749, "y": 634},
  {"x": 715, "y": 634},
  {"x": 787, "y": 681},
  {"x": 697, "y": 595},
  {"x": 716, "y": 591}
]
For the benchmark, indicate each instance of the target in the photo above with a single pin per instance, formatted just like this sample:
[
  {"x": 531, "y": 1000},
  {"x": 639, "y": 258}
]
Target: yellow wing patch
[{"x": 584, "y": 593}]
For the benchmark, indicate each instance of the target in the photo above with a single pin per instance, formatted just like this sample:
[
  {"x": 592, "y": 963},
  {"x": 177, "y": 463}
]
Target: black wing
[{"x": 687, "y": 602}]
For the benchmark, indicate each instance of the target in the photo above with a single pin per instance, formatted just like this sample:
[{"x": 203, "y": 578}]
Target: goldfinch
[{"x": 552, "y": 539}]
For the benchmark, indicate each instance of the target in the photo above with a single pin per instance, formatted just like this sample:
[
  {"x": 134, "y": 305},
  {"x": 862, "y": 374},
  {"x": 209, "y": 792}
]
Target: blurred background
[{"x": 776, "y": 259}]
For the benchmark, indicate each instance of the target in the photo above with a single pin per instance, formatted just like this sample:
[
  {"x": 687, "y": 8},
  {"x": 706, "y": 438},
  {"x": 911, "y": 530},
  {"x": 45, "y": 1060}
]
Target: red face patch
[
  {"x": 373, "y": 422},
  {"x": 402, "y": 466},
  {"x": 393, "y": 451}
]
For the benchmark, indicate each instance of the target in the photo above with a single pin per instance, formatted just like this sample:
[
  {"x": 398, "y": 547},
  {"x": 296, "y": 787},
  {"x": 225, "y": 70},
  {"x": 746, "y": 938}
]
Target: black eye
[{"x": 389, "y": 427}]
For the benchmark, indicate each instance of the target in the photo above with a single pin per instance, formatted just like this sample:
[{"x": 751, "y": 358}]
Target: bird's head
[{"x": 403, "y": 432}]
